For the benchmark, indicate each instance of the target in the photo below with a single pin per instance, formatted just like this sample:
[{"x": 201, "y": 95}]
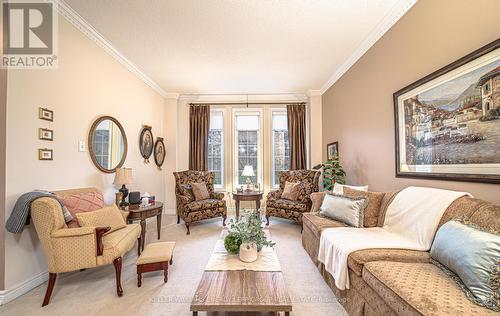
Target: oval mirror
[{"x": 107, "y": 144}]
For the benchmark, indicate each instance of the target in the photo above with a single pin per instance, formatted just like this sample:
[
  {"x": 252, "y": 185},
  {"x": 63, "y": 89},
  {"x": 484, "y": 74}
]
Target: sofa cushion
[
  {"x": 106, "y": 216},
  {"x": 84, "y": 201},
  {"x": 419, "y": 288},
  {"x": 204, "y": 204},
  {"x": 287, "y": 205},
  {"x": 317, "y": 200},
  {"x": 344, "y": 209},
  {"x": 358, "y": 259},
  {"x": 117, "y": 243},
  {"x": 200, "y": 191},
  {"x": 317, "y": 223},
  {"x": 372, "y": 209},
  {"x": 291, "y": 191}
]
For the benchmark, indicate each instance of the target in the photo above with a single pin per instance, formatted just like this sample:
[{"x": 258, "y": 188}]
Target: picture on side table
[
  {"x": 332, "y": 151},
  {"x": 448, "y": 123}
]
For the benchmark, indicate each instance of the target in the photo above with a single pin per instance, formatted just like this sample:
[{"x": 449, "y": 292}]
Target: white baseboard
[{"x": 23, "y": 288}]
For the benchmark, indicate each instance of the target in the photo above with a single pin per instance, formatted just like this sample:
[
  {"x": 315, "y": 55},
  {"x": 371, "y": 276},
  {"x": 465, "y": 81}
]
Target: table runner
[{"x": 221, "y": 260}]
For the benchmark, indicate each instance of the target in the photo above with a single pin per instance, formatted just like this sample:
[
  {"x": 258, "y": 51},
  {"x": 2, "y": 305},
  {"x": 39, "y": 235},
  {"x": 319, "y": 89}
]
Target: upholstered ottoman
[{"x": 155, "y": 257}]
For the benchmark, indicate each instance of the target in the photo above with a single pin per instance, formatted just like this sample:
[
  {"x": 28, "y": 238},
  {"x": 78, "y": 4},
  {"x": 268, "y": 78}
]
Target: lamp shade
[
  {"x": 248, "y": 171},
  {"x": 123, "y": 176}
]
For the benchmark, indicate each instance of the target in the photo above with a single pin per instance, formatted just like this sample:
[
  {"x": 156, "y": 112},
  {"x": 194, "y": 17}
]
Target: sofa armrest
[
  {"x": 99, "y": 232},
  {"x": 217, "y": 195},
  {"x": 274, "y": 195}
]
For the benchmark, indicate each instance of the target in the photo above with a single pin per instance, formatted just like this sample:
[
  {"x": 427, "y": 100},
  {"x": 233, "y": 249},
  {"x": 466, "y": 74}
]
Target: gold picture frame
[
  {"x": 45, "y": 134},
  {"x": 45, "y": 114},
  {"x": 45, "y": 154}
]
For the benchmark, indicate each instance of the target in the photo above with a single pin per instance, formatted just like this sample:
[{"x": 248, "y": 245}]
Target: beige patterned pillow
[
  {"x": 200, "y": 191},
  {"x": 291, "y": 191},
  {"x": 106, "y": 216},
  {"x": 317, "y": 199}
]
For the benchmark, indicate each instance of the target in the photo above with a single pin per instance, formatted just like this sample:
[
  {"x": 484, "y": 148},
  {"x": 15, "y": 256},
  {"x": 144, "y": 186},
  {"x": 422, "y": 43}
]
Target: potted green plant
[
  {"x": 332, "y": 173},
  {"x": 247, "y": 236}
]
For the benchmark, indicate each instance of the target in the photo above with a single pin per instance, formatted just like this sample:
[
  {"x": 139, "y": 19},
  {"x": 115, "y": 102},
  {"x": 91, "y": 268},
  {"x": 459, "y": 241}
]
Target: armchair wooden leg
[
  {"x": 118, "y": 271},
  {"x": 224, "y": 220},
  {"x": 50, "y": 287},
  {"x": 187, "y": 227},
  {"x": 267, "y": 220},
  {"x": 178, "y": 219}
]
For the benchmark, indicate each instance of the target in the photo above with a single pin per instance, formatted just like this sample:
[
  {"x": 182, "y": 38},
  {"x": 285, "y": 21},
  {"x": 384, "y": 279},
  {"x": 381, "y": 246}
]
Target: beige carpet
[{"x": 92, "y": 292}]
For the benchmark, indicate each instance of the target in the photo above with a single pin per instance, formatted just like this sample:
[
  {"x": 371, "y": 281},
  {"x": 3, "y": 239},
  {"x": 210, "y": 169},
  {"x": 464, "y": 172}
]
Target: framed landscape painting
[{"x": 448, "y": 123}]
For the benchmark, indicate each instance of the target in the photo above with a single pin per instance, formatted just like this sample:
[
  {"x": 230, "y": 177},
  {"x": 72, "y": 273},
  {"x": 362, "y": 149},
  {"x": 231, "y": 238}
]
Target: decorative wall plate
[
  {"x": 160, "y": 152},
  {"x": 146, "y": 143}
]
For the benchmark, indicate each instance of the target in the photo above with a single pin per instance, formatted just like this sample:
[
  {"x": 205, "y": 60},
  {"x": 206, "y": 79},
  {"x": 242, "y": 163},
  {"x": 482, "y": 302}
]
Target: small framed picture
[
  {"x": 45, "y": 134},
  {"x": 332, "y": 151},
  {"x": 45, "y": 154},
  {"x": 45, "y": 114}
]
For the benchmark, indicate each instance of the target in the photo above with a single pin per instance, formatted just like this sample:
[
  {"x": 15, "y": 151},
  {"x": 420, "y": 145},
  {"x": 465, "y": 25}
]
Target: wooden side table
[
  {"x": 247, "y": 196},
  {"x": 141, "y": 213}
]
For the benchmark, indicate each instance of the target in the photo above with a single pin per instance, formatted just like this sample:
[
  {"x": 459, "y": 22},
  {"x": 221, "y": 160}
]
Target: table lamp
[
  {"x": 248, "y": 172},
  {"x": 123, "y": 176}
]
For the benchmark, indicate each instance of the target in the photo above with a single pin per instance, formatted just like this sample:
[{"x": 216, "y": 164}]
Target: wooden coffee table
[{"x": 241, "y": 291}]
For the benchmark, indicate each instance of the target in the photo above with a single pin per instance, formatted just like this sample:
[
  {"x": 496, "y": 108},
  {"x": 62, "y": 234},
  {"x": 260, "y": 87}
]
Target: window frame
[
  {"x": 275, "y": 111},
  {"x": 260, "y": 145},
  {"x": 221, "y": 187}
]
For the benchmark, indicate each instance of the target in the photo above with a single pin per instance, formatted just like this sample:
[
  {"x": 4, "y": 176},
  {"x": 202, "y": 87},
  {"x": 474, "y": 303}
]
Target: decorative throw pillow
[
  {"x": 81, "y": 202},
  {"x": 291, "y": 191},
  {"x": 317, "y": 199},
  {"x": 372, "y": 210},
  {"x": 344, "y": 209},
  {"x": 200, "y": 191},
  {"x": 186, "y": 190},
  {"x": 107, "y": 216},
  {"x": 474, "y": 256},
  {"x": 339, "y": 188}
]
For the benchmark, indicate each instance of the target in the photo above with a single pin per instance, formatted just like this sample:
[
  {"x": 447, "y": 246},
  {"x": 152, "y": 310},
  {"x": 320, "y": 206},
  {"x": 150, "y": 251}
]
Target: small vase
[{"x": 248, "y": 252}]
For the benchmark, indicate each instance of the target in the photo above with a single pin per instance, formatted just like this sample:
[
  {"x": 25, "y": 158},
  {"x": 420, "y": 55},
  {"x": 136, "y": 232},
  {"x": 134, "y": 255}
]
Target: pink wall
[{"x": 358, "y": 108}]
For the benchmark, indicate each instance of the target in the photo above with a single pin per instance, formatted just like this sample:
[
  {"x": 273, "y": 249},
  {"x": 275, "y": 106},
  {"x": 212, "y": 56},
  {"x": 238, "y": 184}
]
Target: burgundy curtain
[
  {"x": 297, "y": 135},
  {"x": 199, "y": 125}
]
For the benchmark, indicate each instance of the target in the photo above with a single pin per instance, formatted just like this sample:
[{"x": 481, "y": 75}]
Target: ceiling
[{"x": 257, "y": 46}]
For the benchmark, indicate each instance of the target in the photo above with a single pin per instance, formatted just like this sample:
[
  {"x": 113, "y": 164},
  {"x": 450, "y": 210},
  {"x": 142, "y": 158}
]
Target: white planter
[{"x": 248, "y": 252}]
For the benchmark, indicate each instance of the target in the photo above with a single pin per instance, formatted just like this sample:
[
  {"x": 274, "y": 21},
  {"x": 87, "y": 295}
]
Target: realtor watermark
[{"x": 29, "y": 34}]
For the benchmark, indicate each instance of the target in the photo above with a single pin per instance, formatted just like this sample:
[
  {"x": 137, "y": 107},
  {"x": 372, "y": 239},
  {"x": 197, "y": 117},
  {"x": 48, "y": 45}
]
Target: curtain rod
[{"x": 244, "y": 103}]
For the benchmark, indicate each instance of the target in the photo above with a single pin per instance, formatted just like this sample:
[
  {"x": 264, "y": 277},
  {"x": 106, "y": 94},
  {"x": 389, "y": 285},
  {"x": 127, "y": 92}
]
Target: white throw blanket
[{"x": 410, "y": 222}]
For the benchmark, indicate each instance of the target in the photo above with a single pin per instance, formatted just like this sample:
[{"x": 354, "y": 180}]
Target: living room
[{"x": 189, "y": 157}]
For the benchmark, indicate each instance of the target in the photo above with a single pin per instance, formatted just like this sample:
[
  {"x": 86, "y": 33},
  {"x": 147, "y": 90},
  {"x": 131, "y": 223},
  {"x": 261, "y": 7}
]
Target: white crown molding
[
  {"x": 83, "y": 26},
  {"x": 23, "y": 288},
  {"x": 172, "y": 96},
  {"x": 387, "y": 22},
  {"x": 312, "y": 93}
]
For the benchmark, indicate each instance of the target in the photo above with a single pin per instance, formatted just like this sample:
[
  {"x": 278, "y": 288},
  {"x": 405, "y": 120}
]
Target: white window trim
[
  {"x": 260, "y": 137},
  {"x": 222, "y": 186},
  {"x": 273, "y": 112}
]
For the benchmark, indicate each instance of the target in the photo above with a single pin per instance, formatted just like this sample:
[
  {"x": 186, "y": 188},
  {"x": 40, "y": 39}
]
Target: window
[
  {"x": 216, "y": 147},
  {"x": 101, "y": 147},
  {"x": 280, "y": 146},
  {"x": 248, "y": 148}
]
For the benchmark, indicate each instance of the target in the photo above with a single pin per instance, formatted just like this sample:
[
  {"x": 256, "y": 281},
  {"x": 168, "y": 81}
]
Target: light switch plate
[{"x": 81, "y": 146}]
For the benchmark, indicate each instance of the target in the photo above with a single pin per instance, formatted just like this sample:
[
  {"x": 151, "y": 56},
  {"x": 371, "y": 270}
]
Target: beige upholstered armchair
[
  {"x": 278, "y": 207},
  {"x": 71, "y": 249},
  {"x": 190, "y": 210}
]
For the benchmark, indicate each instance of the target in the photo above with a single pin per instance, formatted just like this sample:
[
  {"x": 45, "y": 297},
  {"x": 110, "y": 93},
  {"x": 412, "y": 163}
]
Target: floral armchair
[
  {"x": 192, "y": 211},
  {"x": 278, "y": 207}
]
